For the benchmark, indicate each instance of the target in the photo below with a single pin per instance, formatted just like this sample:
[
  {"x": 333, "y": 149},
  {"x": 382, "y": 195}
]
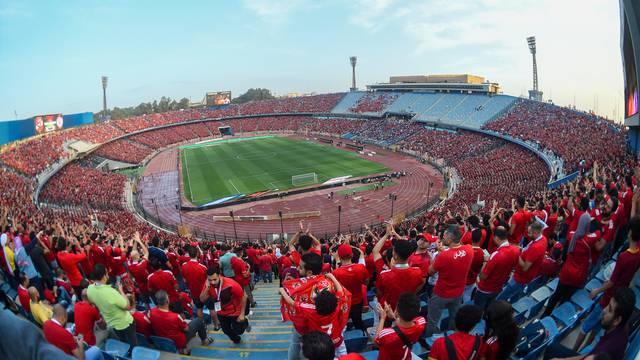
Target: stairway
[{"x": 269, "y": 337}]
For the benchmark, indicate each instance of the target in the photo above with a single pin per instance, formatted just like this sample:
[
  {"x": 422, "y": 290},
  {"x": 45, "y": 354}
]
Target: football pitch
[{"x": 219, "y": 169}]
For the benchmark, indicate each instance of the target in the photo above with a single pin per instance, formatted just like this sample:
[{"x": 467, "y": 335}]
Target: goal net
[{"x": 304, "y": 179}]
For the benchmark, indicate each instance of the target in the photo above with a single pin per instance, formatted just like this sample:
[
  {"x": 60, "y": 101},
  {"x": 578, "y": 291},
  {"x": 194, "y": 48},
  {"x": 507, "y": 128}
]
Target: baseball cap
[{"x": 344, "y": 251}]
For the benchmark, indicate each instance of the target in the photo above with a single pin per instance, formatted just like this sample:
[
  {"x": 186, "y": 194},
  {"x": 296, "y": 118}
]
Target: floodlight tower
[
  {"x": 353, "y": 73},
  {"x": 104, "y": 95},
  {"x": 534, "y": 94}
]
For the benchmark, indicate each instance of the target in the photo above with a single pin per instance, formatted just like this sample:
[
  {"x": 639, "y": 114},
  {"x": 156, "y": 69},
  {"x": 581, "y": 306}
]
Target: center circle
[{"x": 256, "y": 156}]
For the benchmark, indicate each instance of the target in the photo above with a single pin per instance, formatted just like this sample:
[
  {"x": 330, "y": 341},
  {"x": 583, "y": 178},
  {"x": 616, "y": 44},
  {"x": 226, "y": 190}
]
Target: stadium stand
[{"x": 49, "y": 252}]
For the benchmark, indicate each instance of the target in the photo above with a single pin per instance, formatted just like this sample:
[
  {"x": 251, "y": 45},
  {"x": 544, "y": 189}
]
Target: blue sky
[{"x": 52, "y": 53}]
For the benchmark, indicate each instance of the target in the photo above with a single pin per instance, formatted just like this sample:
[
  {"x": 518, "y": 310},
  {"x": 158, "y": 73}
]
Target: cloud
[{"x": 274, "y": 11}]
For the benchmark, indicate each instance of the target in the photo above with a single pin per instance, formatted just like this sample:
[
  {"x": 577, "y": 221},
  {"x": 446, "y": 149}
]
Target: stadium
[{"x": 167, "y": 210}]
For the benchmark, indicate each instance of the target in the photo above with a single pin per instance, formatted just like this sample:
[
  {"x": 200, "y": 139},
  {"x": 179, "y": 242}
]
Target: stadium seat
[
  {"x": 117, "y": 347},
  {"x": 566, "y": 315},
  {"x": 370, "y": 355},
  {"x": 550, "y": 336},
  {"x": 534, "y": 285},
  {"x": 581, "y": 298},
  {"x": 522, "y": 309},
  {"x": 593, "y": 284},
  {"x": 142, "y": 340},
  {"x": 355, "y": 341},
  {"x": 143, "y": 353},
  {"x": 553, "y": 284},
  {"x": 540, "y": 296},
  {"x": 164, "y": 344}
]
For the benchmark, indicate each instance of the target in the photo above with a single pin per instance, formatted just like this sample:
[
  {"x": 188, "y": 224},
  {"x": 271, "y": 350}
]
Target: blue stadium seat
[
  {"x": 581, "y": 298},
  {"x": 553, "y": 284},
  {"x": 550, "y": 336},
  {"x": 634, "y": 347},
  {"x": 534, "y": 285},
  {"x": 164, "y": 344},
  {"x": 540, "y": 296},
  {"x": 522, "y": 309},
  {"x": 566, "y": 315},
  {"x": 116, "y": 347},
  {"x": 593, "y": 284},
  {"x": 143, "y": 353}
]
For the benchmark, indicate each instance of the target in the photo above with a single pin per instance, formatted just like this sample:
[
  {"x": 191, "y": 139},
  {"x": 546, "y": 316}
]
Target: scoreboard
[
  {"x": 218, "y": 98},
  {"x": 48, "y": 123}
]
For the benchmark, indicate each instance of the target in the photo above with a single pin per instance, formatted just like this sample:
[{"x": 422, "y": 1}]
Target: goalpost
[{"x": 304, "y": 179}]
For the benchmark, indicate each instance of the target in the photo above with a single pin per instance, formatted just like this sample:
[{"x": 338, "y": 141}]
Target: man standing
[
  {"x": 452, "y": 266},
  {"x": 230, "y": 303},
  {"x": 195, "y": 275},
  {"x": 529, "y": 263},
  {"x": 55, "y": 333},
  {"x": 495, "y": 273},
  {"x": 352, "y": 277},
  {"x": 85, "y": 317},
  {"x": 113, "y": 305}
]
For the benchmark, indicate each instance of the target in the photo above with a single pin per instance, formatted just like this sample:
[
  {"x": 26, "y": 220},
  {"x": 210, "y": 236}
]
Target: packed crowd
[
  {"x": 563, "y": 131},
  {"x": 373, "y": 102},
  {"x": 81, "y": 186},
  {"x": 482, "y": 259},
  {"x": 163, "y": 137},
  {"x": 124, "y": 150},
  {"x": 387, "y": 131}
]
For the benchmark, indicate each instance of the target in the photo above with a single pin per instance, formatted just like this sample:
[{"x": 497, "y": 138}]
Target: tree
[
  {"x": 253, "y": 94},
  {"x": 165, "y": 104}
]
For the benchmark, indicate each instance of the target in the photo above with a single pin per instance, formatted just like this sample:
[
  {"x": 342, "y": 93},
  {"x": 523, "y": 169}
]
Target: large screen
[
  {"x": 630, "y": 74},
  {"x": 47, "y": 123},
  {"x": 218, "y": 98}
]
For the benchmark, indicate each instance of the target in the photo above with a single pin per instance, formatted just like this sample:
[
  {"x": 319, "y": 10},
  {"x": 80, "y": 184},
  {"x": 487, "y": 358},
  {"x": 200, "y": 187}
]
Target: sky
[{"x": 53, "y": 53}]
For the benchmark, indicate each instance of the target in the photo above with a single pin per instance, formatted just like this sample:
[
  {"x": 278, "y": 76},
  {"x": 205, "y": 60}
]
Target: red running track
[{"x": 160, "y": 182}]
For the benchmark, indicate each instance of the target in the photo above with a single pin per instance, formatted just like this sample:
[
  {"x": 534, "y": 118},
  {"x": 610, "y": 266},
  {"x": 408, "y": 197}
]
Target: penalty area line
[{"x": 234, "y": 186}]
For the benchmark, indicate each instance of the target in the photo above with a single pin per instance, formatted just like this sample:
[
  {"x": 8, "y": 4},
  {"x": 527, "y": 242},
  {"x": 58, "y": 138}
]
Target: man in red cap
[{"x": 353, "y": 277}]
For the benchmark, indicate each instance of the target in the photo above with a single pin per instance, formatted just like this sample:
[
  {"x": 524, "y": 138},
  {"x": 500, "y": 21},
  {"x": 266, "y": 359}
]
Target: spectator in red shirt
[
  {"x": 401, "y": 278},
  {"x": 501, "y": 331},
  {"x": 407, "y": 322},
  {"x": 352, "y": 277},
  {"x": 69, "y": 262},
  {"x": 86, "y": 316},
  {"x": 164, "y": 280},
  {"x": 56, "y": 334},
  {"x": 529, "y": 263},
  {"x": 452, "y": 266},
  {"x": 266, "y": 262},
  {"x": 575, "y": 269},
  {"x": 138, "y": 268},
  {"x": 195, "y": 275},
  {"x": 465, "y": 345},
  {"x": 496, "y": 272},
  {"x": 23, "y": 292},
  {"x": 170, "y": 325},
  {"x": 233, "y": 303},
  {"x": 242, "y": 274},
  {"x": 143, "y": 324},
  {"x": 479, "y": 257},
  {"x": 518, "y": 222}
]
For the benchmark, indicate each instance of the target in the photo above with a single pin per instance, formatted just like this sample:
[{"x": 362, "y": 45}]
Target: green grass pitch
[{"x": 219, "y": 169}]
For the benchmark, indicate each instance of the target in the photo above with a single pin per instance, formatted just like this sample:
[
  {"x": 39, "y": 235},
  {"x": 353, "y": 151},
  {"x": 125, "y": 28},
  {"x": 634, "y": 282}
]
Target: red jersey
[
  {"x": 391, "y": 347},
  {"x": 265, "y": 262},
  {"x": 143, "y": 324},
  {"x": 23, "y": 296},
  {"x": 520, "y": 219},
  {"x": 230, "y": 294},
  {"x": 352, "y": 277},
  {"x": 164, "y": 280},
  {"x": 139, "y": 272},
  {"x": 59, "y": 337},
  {"x": 626, "y": 267},
  {"x": 327, "y": 323},
  {"x": 169, "y": 325},
  {"x": 390, "y": 284},
  {"x": 463, "y": 344},
  {"x": 195, "y": 275},
  {"x": 452, "y": 266},
  {"x": 498, "y": 268},
  {"x": 421, "y": 261},
  {"x": 69, "y": 263},
  {"x": 491, "y": 348},
  {"x": 241, "y": 272},
  {"x": 552, "y": 221},
  {"x": 98, "y": 255},
  {"x": 476, "y": 265},
  {"x": 576, "y": 267},
  {"x": 533, "y": 253},
  {"x": 85, "y": 316}
]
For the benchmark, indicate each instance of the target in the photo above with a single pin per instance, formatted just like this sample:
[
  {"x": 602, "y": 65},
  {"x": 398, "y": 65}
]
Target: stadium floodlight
[
  {"x": 534, "y": 94},
  {"x": 531, "y": 40},
  {"x": 104, "y": 94},
  {"x": 353, "y": 60}
]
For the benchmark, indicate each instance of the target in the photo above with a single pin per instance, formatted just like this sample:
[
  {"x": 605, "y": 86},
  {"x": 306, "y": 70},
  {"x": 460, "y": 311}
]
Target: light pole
[
  {"x": 353, "y": 61},
  {"x": 339, "y": 216},
  {"x": 156, "y": 206},
  {"x": 281, "y": 228},
  {"x": 233, "y": 219},
  {"x": 104, "y": 95},
  {"x": 179, "y": 213},
  {"x": 429, "y": 191}
]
